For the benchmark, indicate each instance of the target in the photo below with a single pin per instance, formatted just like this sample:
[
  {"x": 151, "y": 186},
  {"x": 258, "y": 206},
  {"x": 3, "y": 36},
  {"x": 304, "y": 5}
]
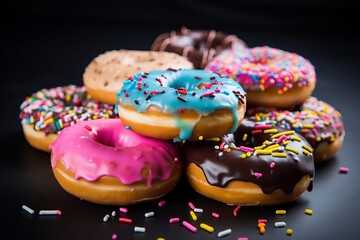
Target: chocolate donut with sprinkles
[
  {"x": 46, "y": 112},
  {"x": 317, "y": 121},
  {"x": 260, "y": 164},
  {"x": 198, "y": 46},
  {"x": 181, "y": 104},
  {"x": 271, "y": 77}
]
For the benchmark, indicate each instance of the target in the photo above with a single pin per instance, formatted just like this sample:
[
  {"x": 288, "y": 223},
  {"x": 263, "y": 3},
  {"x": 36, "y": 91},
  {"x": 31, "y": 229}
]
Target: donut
[
  {"x": 317, "y": 121},
  {"x": 105, "y": 74},
  {"x": 103, "y": 162},
  {"x": 181, "y": 104},
  {"x": 265, "y": 166},
  {"x": 198, "y": 46},
  {"x": 48, "y": 111},
  {"x": 271, "y": 77}
]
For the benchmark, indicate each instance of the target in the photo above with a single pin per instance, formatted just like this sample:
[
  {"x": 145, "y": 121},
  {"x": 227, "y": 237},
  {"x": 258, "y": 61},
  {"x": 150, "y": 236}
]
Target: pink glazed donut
[{"x": 103, "y": 162}]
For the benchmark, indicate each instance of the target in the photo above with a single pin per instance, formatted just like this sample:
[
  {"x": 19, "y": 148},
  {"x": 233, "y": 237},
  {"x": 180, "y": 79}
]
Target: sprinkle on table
[
  {"x": 343, "y": 170},
  {"x": 224, "y": 233},
  {"x": 308, "y": 211},
  {"x": 27, "y": 209},
  {"x": 50, "y": 212}
]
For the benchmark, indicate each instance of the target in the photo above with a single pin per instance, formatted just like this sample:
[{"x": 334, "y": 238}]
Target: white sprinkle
[
  {"x": 220, "y": 154},
  {"x": 280, "y": 224},
  {"x": 29, "y": 210},
  {"x": 149, "y": 214},
  {"x": 224, "y": 233},
  {"x": 216, "y": 147},
  {"x": 139, "y": 229},
  {"x": 113, "y": 213},
  {"x": 198, "y": 210},
  {"x": 106, "y": 217},
  {"x": 50, "y": 212}
]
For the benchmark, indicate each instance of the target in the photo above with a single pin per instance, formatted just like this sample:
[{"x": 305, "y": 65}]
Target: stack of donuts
[{"x": 239, "y": 122}]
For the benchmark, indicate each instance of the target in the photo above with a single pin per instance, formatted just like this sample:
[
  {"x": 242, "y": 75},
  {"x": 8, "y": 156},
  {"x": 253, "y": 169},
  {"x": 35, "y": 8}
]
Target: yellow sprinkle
[
  {"x": 273, "y": 130},
  {"x": 243, "y": 155},
  {"x": 244, "y": 137},
  {"x": 272, "y": 147},
  {"x": 88, "y": 95},
  {"x": 280, "y": 212},
  {"x": 289, "y": 231},
  {"x": 326, "y": 123},
  {"x": 295, "y": 138},
  {"x": 279, "y": 155},
  {"x": 292, "y": 149},
  {"x": 332, "y": 138},
  {"x": 307, "y": 153},
  {"x": 193, "y": 215},
  {"x": 282, "y": 133},
  {"x": 213, "y": 139},
  {"x": 308, "y": 125},
  {"x": 201, "y": 138},
  {"x": 263, "y": 152},
  {"x": 318, "y": 139},
  {"x": 248, "y": 154},
  {"x": 160, "y": 238},
  {"x": 68, "y": 97},
  {"x": 285, "y": 143},
  {"x": 70, "y": 111},
  {"x": 206, "y": 227},
  {"x": 309, "y": 149},
  {"x": 262, "y": 88},
  {"x": 296, "y": 78},
  {"x": 50, "y": 120},
  {"x": 107, "y": 115},
  {"x": 308, "y": 211},
  {"x": 258, "y": 147}
]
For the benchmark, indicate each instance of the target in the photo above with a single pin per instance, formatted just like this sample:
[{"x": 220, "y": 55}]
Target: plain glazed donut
[
  {"x": 181, "y": 104},
  {"x": 198, "y": 46},
  {"x": 102, "y": 162},
  {"x": 271, "y": 77},
  {"x": 265, "y": 166},
  {"x": 105, "y": 74},
  {"x": 318, "y": 122},
  {"x": 48, "y": 111}
]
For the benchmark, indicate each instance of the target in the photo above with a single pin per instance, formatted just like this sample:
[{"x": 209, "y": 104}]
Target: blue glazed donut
[{"x": 181, "y": 104}]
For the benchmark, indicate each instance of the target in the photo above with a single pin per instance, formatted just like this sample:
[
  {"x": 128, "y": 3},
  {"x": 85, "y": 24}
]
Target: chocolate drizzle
[
  {"x": 199, "y": 46},
  {"x": 221, "y": 166}
]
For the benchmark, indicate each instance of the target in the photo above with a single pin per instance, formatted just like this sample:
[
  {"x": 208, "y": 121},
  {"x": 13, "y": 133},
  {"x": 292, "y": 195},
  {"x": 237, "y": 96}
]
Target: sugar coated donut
[
  {"x": 105, "y": 74},
  {"x": 102, "y": 162},
  {"x": 48, "y": 111},
  {"x": 199, "y": 46},
  {"x": 271, "y": 77},
  {"x": 319, "y": 122},
  {"x": 260, "y": 164},
  {"x": 181, "y": 104}
]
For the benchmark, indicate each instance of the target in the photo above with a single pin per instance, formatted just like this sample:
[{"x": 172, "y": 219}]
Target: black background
[{"x": 46, "y": 45}]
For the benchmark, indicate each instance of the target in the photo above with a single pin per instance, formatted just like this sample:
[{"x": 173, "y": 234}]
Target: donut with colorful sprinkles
[
  {"x": 181, "y": 104},
  {"x": 271, "y": 77},
  {"x": 103, "y": 162},
  {"x": 317, "y": 121},
  {"x": 48, "y": 111},
  {"x": 260, "y": 164}
]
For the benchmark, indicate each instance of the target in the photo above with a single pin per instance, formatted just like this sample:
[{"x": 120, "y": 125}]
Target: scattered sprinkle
[
  {"x": 206, "y": 227},
  {"x": 113, "y": 213},
  {"x": 174, "y": 220},
  {"x": 191, "y": 205},
  {"x": 236, "y": 210},
  {"x": 123, "y": 210},
  {"x": 50, "y": 212},
  {"x": 125, "y": 220},
  {"x": 280, "y": 224},
  {"x": 193, "y": 215},
  {"x": 106, "y": 217},
  {"x": 224, "y": 233},
  {"x": 343, "y": 170},
  {"x": 261, "y": 226},
  {"x": 280, "y": 212},
  {"x": 309, "y": 211},
  {"x": 198, "y": 210},
  {"x": 189, "y": 226},
  {"x": 27, "y": 209},
  {"x": 114, "y": 236},
  {"x": 139, "y": 229},
  {"x": 149, "y": 214},
  {"x": 289, "y": 231},
  {"x": 161, "y": 203},
  {"x": 215, "y": 215}
]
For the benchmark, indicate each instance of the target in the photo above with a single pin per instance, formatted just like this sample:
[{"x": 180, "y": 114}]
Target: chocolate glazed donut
[
  {"x": 269, "y": 165},
  {"x": 199, "y": 46}
]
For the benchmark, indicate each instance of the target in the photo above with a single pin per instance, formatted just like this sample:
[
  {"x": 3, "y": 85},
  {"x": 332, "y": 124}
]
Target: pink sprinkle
[
  {"x": 88, "y": 128},
  {"x": 272, "y": 165},
  {"x": 114, "y": 236},
  {"x": 174, "y": 220},
  {"x": 191, "y": 205},
  {"x": 215, "y": 215},
  {"x": 207, "y": 94},
  {"x": 242, "y": 238},
  {"x": 262, "y": 220},
  {"x": 189, "y": 226},
  {"x": 124, "y": 210},
  {"x": 256, "y": 131},
  {"x": 280, "y": 139},
  {"x": 222, "y": 146},
  {"x": 267, "y": 126},
  {"x": 343, "y": 170},
  {"x": 161, "y": 203},
  {"x": 257, "y": 174},
  {"x": 125, "y": 220},
  {"x": 236, "y": 210},
  {"x": 246, "y": 149}
]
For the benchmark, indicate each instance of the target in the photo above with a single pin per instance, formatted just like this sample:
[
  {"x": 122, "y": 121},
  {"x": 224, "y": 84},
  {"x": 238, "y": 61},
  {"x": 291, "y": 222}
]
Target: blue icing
[{"x": 162, "y": 91}]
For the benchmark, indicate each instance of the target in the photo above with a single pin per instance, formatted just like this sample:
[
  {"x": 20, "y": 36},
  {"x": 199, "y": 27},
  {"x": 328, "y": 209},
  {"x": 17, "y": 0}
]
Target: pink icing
[{"x": 104, "y": 147}]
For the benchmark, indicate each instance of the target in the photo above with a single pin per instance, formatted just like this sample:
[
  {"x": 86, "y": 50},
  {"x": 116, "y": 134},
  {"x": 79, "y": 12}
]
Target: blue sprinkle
[{"x": 128, "y": 127}]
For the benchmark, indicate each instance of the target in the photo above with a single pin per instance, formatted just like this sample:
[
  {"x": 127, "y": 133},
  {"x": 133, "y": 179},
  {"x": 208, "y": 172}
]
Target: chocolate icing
[
  {"x": 199, "y": 46},
  {"x": 220, "y": 167}
]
